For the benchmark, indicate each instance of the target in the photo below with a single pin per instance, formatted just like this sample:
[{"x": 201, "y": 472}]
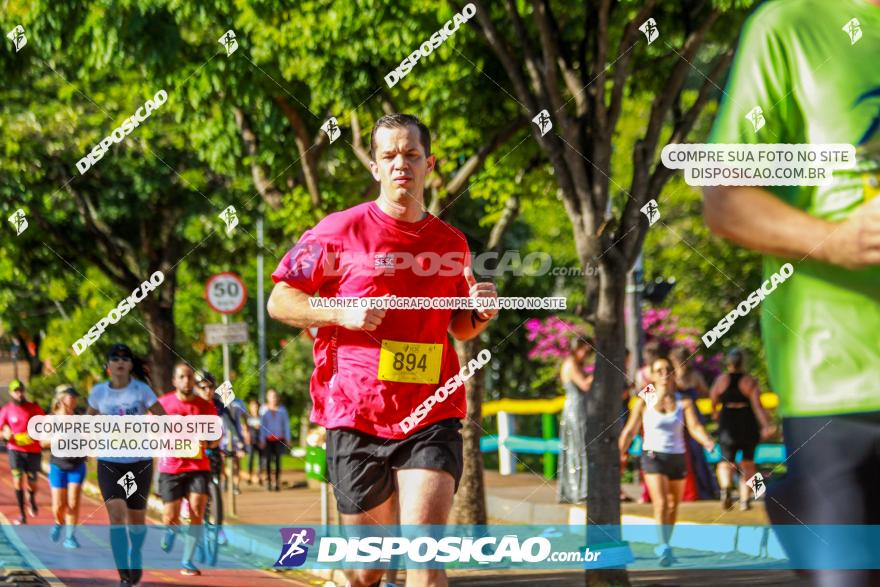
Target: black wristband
[{"x": 475, "y": 317}]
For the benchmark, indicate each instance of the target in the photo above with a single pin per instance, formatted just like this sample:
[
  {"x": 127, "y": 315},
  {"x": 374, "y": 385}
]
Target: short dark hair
[{"x": 398, "y": 120}]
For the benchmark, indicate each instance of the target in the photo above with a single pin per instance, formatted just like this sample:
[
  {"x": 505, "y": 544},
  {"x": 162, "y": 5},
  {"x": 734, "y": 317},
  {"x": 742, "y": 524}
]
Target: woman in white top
[{"x": 664, "y": 413}]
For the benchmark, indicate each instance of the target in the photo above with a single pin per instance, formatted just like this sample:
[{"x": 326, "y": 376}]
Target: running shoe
[
  {"x": 55, "y": 534},
  {"x": 189, "y": 569},
  {"x": 168, "y": 540},
  {"x": 726, "y": 498},
  {"x": 745, "y": 506},
  {"x": 135, "y": 575},
  {"x": 124, "y": 578},
  {"x": 664, "y": 551},
  {"x": 20, "y": 521},
  {"x": 71, "y": 542}
]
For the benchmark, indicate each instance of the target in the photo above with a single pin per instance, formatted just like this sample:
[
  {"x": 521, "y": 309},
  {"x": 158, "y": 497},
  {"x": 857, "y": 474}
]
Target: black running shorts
[
  {"x": 25, "y": 462},
  {"x": 673, "y": 465},
  {"x": 109, "y": 475},
  {"x": 174, "y": 486},
  {"x": 361, "y": 466}
]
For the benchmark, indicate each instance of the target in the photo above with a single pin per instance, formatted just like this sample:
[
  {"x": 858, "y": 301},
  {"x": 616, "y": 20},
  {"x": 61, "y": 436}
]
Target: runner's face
[
  {"x": 401, "y": 166},
  {"x": 664, "y": 374},
  {"x": 184, "y": 380},
  {"x": 17, "y": 395},
  {"x": 206, "y": 390},
  {"x": 69, "y": 403},
  {"x": 119, "y": 366}
]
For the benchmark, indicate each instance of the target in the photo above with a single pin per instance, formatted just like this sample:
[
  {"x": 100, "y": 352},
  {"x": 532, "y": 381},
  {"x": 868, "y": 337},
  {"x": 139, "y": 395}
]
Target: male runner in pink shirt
[
  {"x": 374, "y": 367},
  {"x": 185, "y": 477},
  {"x": 25, "y": 455}
]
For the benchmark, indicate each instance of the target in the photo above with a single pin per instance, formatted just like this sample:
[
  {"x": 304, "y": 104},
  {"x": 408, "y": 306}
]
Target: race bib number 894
[{"x": 410, "y": 362}]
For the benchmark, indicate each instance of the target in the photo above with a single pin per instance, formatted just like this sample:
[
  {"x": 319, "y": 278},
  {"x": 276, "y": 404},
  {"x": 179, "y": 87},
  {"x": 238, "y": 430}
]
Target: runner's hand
[
  {"x": 367, "y": 319},
  {"x": 855, "y": 242},
  {"x": 484, "y": 289},
  {"x": 768, "y": 431}
]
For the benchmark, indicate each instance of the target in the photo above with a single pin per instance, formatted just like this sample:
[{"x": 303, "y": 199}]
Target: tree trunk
[
  {"x": 603, "y": 412},
  {"x": 35, "y": 365},
  {"x": 470, "y": 501},
  {"x": 159, "y": 317}
]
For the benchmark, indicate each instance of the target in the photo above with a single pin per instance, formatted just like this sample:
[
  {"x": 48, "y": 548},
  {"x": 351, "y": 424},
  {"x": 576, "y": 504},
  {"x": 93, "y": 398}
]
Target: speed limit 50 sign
[{"x": 226, "y": 293}]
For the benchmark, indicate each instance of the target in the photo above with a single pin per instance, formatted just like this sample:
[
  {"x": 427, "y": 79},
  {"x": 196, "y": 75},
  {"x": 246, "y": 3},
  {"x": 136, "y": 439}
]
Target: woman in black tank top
[{"x": 738, "y": 396}]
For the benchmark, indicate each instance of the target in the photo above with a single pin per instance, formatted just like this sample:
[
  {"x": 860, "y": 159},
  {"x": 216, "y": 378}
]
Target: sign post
[{"x": 226, "y": 294}]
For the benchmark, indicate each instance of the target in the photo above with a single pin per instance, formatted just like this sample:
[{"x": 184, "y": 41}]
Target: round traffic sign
[{"x": 226, "y": 293}]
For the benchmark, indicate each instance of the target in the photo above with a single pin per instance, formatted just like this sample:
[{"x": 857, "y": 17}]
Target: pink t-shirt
[
  {"x": 350, "y": 254},
  {"x": 16, "y": 417},
  {"x": 195, "y": 407}
]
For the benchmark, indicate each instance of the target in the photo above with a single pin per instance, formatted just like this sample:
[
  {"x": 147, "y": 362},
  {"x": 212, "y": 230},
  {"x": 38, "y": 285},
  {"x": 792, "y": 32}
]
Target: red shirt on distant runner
[
  {"x": 346, "y": 255},
  {"x": 195, "y": 407},
  {"x": 16, "y": 417}
]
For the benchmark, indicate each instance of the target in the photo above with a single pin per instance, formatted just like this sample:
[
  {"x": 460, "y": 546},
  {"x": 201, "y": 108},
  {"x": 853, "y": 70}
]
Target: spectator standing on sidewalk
[{"x": 274, "y": 437}]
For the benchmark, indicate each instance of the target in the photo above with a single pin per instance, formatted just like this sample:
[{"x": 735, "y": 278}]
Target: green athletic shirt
[{"x": 821, "y": 328}]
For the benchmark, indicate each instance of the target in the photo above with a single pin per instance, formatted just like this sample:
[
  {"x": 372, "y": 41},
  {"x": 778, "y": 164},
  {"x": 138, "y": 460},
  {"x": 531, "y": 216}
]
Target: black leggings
[
  {"x": 833, "y": 475},
  {"x": 215, "y": 493},
  {"x": 255, "y": 455},
  {"x": 274, "y": 450}
]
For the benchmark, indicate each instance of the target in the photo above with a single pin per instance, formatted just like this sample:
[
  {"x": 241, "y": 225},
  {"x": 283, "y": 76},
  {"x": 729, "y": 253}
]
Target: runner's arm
[
  {"x": 92, "y": 411},
  {"x": 714, "y": 393},
  {"x": 694, "y": 427},
  {"x": 629, "y": 431},
  {"x": 464, "y": 326},
  {"x": 784, "y": 231},
  {"x": 157, "y": 410},
  {"x": 753, "y": 391},
  {"x": 291, "y": 306}
]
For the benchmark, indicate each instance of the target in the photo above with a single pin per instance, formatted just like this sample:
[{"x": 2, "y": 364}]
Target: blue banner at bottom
[{"x": 508, "y": 547}]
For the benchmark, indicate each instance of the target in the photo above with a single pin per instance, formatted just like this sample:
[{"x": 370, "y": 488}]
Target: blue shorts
[{"x": 59, "y": 478}]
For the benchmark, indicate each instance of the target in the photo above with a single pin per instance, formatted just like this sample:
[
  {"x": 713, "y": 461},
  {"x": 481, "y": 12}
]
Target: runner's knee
[{"x": 365, "y": 577}]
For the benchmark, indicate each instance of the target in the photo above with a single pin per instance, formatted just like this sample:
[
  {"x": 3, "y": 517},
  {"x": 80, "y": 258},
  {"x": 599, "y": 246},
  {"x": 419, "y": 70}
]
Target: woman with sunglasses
[
  {"x": 127, "y": 393},
  {"x": 664, "y": 413}
]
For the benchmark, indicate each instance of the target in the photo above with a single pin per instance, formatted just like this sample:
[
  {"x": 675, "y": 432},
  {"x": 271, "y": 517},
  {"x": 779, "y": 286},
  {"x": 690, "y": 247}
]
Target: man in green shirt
[{"x": 814, "y": 73}]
